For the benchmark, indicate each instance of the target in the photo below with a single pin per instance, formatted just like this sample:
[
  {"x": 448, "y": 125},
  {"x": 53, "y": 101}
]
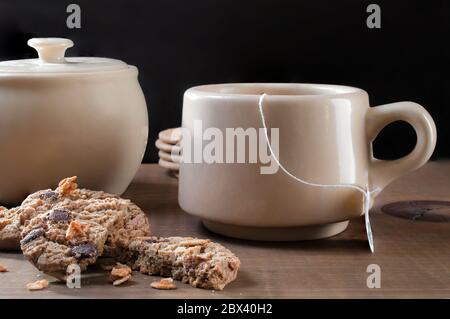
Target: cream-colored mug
[{"x": 325, "y": 137}]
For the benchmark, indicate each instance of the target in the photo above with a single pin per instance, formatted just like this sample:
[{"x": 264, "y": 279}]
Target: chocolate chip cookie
[
  {"x": 56, "y": 239},
  {"x": 68, "y": 196},
  {"x": 199, "y": 262}
]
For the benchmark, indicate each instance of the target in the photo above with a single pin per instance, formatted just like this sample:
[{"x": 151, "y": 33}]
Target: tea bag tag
[{"x": 367, "y": 221}]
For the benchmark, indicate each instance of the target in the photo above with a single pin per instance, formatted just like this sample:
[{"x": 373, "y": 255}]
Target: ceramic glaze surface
[
  {"x": 325, "y": 135},
  {"x": 89, "y": 121}
]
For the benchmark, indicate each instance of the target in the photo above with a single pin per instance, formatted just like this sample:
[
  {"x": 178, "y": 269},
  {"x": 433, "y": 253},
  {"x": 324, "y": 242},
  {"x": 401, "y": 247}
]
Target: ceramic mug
[{"x": 325, "y": 137}]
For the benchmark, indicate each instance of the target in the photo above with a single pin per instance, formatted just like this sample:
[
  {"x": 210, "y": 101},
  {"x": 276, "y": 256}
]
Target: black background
[{"x": 177, "y": 44}]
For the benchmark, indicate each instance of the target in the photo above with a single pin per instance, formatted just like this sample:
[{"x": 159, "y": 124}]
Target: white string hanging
[{"x": 364, "y": 191}]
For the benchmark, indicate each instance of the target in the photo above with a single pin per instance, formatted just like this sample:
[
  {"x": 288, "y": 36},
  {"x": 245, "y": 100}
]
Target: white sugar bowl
[{"x": 59, "y": 117}]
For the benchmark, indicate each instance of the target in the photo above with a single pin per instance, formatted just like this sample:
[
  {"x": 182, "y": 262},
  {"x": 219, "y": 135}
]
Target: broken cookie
[{"x": 198, "y": 262}]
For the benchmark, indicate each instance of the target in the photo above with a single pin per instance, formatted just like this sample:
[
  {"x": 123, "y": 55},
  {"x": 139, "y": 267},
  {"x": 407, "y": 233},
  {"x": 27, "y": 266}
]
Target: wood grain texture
[{"x": 414, "y": 256}]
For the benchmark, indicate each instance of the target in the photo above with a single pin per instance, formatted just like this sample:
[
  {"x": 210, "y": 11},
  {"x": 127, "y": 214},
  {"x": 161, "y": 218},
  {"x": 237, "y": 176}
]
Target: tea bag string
[{"x": 365, "y": 191}]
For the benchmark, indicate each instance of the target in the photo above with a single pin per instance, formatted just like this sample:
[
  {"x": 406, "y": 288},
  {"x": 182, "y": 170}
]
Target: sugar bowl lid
[{"x": 52, "y": 60}]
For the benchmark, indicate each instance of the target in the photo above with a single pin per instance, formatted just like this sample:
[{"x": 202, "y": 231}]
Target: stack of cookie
[{"x": 168, "y": 144}]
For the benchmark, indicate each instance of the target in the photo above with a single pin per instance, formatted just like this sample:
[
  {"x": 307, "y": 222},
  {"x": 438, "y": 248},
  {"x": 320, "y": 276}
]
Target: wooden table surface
[{"x": 414, "y": 256}]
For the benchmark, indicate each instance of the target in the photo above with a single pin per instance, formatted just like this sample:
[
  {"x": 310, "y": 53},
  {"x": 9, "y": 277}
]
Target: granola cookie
[
  {"x": 69, "y": 197},
  {"x": 72, "y": 226},
  {"x": 199, "y": 262},
  {"x": 56, "y": 239},
  {"x": 12, "y": 221}
]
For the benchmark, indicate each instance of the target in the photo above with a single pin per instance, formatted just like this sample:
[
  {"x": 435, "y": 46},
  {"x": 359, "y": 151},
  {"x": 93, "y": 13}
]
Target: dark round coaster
[{"x": 420, "y": 210}]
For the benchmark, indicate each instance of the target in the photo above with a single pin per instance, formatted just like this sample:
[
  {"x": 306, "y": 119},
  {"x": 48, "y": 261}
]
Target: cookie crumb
[
  {"x": 3, "y": 268},
  {"x": 121, "y": 281},
  {"x": 120, "y": 274},
  {"x": 67, "y": 185},
  {"x": 37, "y": 285},
  {"x": 164, "y": 284},
  {"x": 76, "y": 229}
]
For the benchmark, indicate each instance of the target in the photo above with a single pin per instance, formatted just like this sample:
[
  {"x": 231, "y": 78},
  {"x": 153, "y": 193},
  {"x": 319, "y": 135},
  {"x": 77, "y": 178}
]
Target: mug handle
[{"x": 382, "y": 172}]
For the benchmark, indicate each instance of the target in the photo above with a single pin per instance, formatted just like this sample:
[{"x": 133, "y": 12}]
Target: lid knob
[{"x": 50, "y": 50}]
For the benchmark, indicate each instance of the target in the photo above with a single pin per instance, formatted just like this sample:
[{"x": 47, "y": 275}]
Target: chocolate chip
[
  {"x": 87, "y": 250},
  {"x": 48, "y": 195},
  {"x": 59, "y": 215},
  {"x": 32, "y": 235}
]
